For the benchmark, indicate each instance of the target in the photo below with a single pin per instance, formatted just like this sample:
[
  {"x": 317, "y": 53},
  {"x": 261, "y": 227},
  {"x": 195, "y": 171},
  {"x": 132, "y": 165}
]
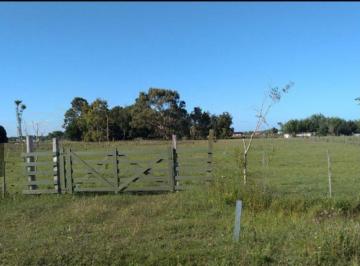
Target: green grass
[{"x": 288, "y": 218}]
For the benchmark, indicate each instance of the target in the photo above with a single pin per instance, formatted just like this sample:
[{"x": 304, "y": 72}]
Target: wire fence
[
  {"x": 317, "y": 166},
  {"x": 298, "y": 166}
]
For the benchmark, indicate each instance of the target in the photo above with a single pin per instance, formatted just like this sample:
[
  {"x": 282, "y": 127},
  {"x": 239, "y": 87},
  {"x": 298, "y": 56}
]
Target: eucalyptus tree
[
  {"x": 74, "y": 120},
  {"x": 119, "y": 122},
  {"x": 20, "y": 107},
  {"x": 201, "y": 122},
  {"x": 96, "y": 121},
  {"x": 223, "y": 128},
  {"x": 160, "y": 113}
]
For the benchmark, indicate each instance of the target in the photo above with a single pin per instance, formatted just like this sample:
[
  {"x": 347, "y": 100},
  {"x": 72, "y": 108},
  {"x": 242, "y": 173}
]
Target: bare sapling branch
[{"x": 274, "y": 94}]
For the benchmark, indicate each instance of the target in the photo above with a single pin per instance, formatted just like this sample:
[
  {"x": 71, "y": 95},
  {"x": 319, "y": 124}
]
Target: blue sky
[{"x": 220, "y": 56}]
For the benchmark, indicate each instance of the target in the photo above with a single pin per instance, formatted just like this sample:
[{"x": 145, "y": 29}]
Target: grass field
[{"x": 288, "y": 218}]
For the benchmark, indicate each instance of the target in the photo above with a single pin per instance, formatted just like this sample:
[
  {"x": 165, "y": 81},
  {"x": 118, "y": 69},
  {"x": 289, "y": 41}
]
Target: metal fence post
[{"x": 237, "y": 220}]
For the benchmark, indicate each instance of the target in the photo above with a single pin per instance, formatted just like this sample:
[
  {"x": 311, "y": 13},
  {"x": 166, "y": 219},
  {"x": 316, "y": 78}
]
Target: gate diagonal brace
[
  {"x": 136, "y": 163},
  {"x": 104, "y": 162},
  {"x": 93, "y": 170},
  {"x": 139, "y": 175}
]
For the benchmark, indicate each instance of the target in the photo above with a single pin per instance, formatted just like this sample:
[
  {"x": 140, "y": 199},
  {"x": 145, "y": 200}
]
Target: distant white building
[
  {"x": 356, "y": 134},
  {"x": 305, "y": 134},
  {"x": 300, "y": 135},
  {"x": 237, "y": 134}
]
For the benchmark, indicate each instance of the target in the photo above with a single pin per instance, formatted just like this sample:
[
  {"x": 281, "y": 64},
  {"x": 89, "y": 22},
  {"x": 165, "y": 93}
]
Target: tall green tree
[
  {"x": 223, "y": 127},
  {"x": 56, "y": 134},
  {"x": 160, "y": 113},
  {"x": 291, "y": 127},
  {"x": 97, "y": 117},
  {"x": 142, "y": 117},
  {"x": 171, "y": 115},
  {"x": 120, "y": 119},
  {"x": 334, "y": 124},
  {"x": 201, "y": 123},
  {"x": 74, "y": 121},
  {"x": 318, "y": 124}
]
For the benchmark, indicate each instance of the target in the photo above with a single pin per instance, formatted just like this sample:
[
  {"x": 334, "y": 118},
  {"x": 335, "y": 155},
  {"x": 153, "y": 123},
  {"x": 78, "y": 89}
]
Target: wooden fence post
[
  {"x": 171, "y": 170},
  {"x": 56, "y": 164},
  {"x": 116, "y": 169},
  {"x": 175, "y": 159},
  {"x": 4, "y": 181},
  {"x": 62, "y": 165},
  {"x": 30, "y": 159},
  {"x": 329, "y": 173},
  {"x": 210, "y": 150},
  {"x": 2, "y": 168},
  {"x": 173, "y": 144},
  {"x": 69, "y": 172}
]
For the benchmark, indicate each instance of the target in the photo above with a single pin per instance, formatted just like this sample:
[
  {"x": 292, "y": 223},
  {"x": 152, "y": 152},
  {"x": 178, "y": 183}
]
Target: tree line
[
  {"x": 155, "y": 114},
  {"x": 321, "y": 125}
]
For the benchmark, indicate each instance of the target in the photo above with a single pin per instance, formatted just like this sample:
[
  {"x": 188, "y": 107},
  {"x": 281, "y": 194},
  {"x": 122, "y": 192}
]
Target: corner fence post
[
  {"x": 56, "y": 164},
  {"x": 210, "y": 150},
  {"x": 30, "y": 159}
]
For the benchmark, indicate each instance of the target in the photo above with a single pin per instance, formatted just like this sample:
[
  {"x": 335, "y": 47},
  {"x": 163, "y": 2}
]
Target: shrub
[{"x": 3, "y": 136}]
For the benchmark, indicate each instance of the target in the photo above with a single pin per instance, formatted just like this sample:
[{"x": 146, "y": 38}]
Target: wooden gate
[
  {"x": 69, "y": 171},
  {"x": 85, "y": 172}
]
